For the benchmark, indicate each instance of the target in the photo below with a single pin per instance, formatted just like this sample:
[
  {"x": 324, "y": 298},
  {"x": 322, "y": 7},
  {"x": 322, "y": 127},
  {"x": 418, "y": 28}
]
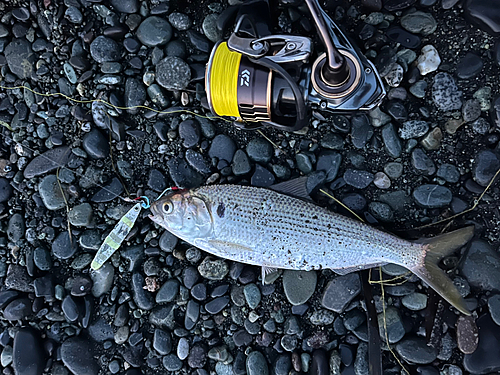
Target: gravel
[{"x": 68, "y": 170}]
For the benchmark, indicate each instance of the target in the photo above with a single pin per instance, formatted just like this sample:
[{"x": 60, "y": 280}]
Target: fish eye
[{"x": 167, "y": 207}]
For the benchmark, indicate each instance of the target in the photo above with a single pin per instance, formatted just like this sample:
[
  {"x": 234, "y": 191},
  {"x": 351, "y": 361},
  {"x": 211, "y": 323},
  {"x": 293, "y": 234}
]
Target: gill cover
[{"x": 187, "y": 217}]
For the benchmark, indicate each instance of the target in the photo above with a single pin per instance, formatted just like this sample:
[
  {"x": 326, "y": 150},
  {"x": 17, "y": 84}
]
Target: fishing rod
[{"x": 260, "y": 79}]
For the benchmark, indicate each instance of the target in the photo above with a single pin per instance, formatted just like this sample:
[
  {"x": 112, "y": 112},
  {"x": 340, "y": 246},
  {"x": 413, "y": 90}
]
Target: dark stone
[
  {"x": 403, "y": 37},
  {"x": 222, "y": 148},
  {"x": 101, "y": 331},
  {"x": 486, "y": 358},
  {"x": 28, "y": 356},
  {"x": 109, "y": 192},
  {"x": 17, "y": 309},
  {"x": 486, "y": 164},
  {"x": 70, "y": 309},
  {"x": 46, "y": 162},
  {"x": 416, "y": 350},
  {"x": 340, "y": 292},
  {"x": 432, "y": 196},
  {"x": 189, "y": 131},
  {"x": 470, "y": 65},
  {"x": 156, "y": 180},
  {"x": 20, "y": 58},
  {"x": 262, "y": 177},
  {"x": 63, "y": 247},
  {"x": 18, "y": 279},
  {"x": 391, "y": 141},
  {"x": 182, "y": 174},
  {"x": 126, "y": 6},
  {"x": 483, "y": 14},
  {"x": 77, "y": 356},
  {"x": 154, "y": 31},
  {"x": 105, "y": 49},
  {"x": 260, "y": 150},
  {"x": 480, "y": 266},
  {"x": 162, "y": 342},
  {"x": 142, "y": 297},
  {"x": 96, "y": 144}
]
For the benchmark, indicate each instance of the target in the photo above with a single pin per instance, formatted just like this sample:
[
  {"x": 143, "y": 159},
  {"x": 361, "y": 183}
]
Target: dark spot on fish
[{"x": 220, "y": 209}]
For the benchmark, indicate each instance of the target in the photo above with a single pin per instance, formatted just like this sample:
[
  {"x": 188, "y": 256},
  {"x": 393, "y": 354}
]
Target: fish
[{"x": 282, "y": 228}]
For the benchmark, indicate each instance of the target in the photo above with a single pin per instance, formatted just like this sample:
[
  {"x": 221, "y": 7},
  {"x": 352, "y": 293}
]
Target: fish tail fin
[{"x": 429, "y": 271}]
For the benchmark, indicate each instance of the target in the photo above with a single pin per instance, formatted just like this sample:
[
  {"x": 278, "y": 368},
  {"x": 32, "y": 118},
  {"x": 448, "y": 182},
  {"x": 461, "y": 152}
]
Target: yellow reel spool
[{"x": 222, "y": 81}]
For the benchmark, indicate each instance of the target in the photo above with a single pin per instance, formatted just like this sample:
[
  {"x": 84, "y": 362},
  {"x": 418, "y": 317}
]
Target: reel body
[{"x": 267, "y": 80}]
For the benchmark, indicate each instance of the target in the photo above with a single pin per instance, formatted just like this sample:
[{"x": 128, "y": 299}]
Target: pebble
[
  {"x": 173, "y": 73},
  {"x": 241, "y": 164},
  {"x": 162, "y": 342},
  {"x": 381, "y": 211},
  {"x": 391, "y": 141},
  {"x": 445, "y": 93},
  {"x": 51, "y": 194},
  {"x": 381, "y": 180},
  {"x": 172, "y": 363},
  {"x": 449, "y": 173},
  {"x": 183, "y": 174},
  {"x": 96, "y": 144},
  {"x": 340, "y": 292},
  {"x": 183, "y": 348},
  {"x": 16, "y": 228},
  {"x": 467, "y": 334},
  {"x": 210, "y": 28},
  {"x": 18, "y": 309},
  {"x": 20, "y": 58},
  {"x": 156, "y": 180},
  {"x": 262, "y": 177},
  {"x": 154, "y": 31},
  {"x": 189, "y": 131},
  {"x": 5, "y": 190},
  {"x": 252, "y": 295},
  {"x": 480, "y": 266},
  {"x": 486, "y": 358},
  {"x": 222, "y": 148},
  {"x": 18, "y": 279},
  {"x": 168, "y": 291},
  {"x": 46, "y": 162},
  {"x": 299, "y": 286},
  {"x": 135, "y": 93},
  {"x": 395, "y": 75},
  {"x": 213, "y": 269},
  {"x": 422, "y": 163},
  {"x": 415, "y": 301},
  {"x": 125, "y": 6},
  {"x": 329, "y": 162},
  {"x": 418, "y": 89},
  {"x": 256, "y": 364},
  {"x": 217, "y": 305},
  {"x": 104, "y": 49},
  {"x": 260, "y": 150},
  {"x": 419, "y": 23},
  {"x": 142, "y": 297},
  {"x": 361, "y": 131},
  {"x": 77, "y": 356},
  {"x": 469, "y": 66},
  {"x": 413, "y": 129},
  {"x": 81, "y": 215},
  {"x": 486, "y": 164},
  {"x": 28, "y": 357},
  {"x": 70, "y": 309},
  {"x": 416, "y": 350},
  {"x": 432, "y": 196},
  {"x": 358, "y": 178},
  {"x": 179, "y": 21},
  {"x": 429, "y": 60},
  {"x": 42, "y": 259},
  {"x": 62, "y": 247},
  {"x": 481, "y": 126},
  {"x": 482, "y": 14},
  {"x": 102, "y": 279},
  {"x": 494, "y": 307},
  {"x": 394, "y": 324}
]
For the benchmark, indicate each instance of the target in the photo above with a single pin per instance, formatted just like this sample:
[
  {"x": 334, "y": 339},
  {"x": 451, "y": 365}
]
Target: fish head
[{"x": 184, "y": 214}]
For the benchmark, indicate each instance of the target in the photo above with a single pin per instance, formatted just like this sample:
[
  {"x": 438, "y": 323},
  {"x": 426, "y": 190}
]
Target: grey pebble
[
  {"x": 480, "y": 266},
  {"x": 449, "y": 173},
  {"x": 77, "y": 356},
  {"x": 299, "y": 286},
  {"x": 340, "y": 291},
  {"x": 419, "y": 23},
  {"x": 486, "y": 164},
  {"x": 20, "y": 58},
  {"x": 432, "y": 196},
  {"x": 154, "y": 31},
  {"x": 102, "y": 279},
  {"x": 422, "y": 163},
  {"x": 81, "y": 215},
  {"x": 392, "y": 142},
  {"x": 259, "y": 150},
  {"x": 210, "y": 28},
  {"x": 213, "y": 269},
  {"x": 179, "y": 21},
  {"x": 104, "y": 49},
  {"x": 256, "y": 364},
  {"x": 252, "y": 295},
  {"x": 416, "y": 350},
  {"x": 358, "y": 178},
  {"x": 415, "y": 301},
  {"x": 142, "y": 297},
  {"x": 494, "y": 307},
  {"x": 241, "y": 164},
  {"x": 51, "y": 194},
  {"x": 96, "y": 144},
  {"x": 413, "y": 129},
  {"x": 62, "y": 247},
  {"x": 445, "y": 93},
  {"x": 168, "y": 291},
  {"x": 173, "y": 73}
]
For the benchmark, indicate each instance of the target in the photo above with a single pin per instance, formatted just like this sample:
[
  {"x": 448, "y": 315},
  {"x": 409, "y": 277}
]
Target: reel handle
[{"x": 335, "y": 71}]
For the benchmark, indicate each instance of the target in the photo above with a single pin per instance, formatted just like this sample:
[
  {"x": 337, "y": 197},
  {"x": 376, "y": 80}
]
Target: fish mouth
[{"x": 154, "y": 213}]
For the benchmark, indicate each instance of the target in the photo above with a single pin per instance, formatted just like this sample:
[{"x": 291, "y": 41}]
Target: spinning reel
[{"x": 262, "y": 79}]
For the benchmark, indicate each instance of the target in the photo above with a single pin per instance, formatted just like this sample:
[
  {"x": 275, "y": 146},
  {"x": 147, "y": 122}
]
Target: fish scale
[{"x": 266, "y": 228}]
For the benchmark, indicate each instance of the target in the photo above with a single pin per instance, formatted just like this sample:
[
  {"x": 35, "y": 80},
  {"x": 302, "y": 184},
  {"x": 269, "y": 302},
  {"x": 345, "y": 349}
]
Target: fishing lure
[
  {"x": 118, "y": 234},
  {"x": 121, "y": 230}
]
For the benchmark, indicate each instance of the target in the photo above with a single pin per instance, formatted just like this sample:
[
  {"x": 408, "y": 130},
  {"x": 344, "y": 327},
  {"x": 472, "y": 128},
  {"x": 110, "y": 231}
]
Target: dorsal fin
[{"x": 295, "y": 188}]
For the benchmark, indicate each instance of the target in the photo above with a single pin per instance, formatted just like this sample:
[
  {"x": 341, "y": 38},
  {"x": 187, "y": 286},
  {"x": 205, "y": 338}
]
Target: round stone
[
  {"x": 104, "y": 49},
  {"x": 154, "y": 31},
  {"x": 173, "y": 73},
  {"x": 432, "y": 196},
  {"x": 299, "y": 286}
]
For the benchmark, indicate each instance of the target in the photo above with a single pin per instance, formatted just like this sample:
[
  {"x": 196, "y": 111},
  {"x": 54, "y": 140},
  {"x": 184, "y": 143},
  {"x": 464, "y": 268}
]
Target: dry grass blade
[
  {"x": 342, "y": 204},
  {"x": 67, "y": 207}
]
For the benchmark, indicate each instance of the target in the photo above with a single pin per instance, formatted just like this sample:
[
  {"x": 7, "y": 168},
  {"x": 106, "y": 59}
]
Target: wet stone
[
  {"x": 469, "y": 66},
  {"x": 340, "y": 292},
  {"x": 51, "y": 194},
  {"x": 391, "y": 141},
  {"x": 28, "y": 357},
  {"x": 197, "y": 356},
  {"x": 162, "y": 342},
  {"x": 217, "y": 305},
  {"x": 210, "y": 28},
  {"x": 481, "y": 126},
  {"x": 46, "y": 162},
  {"x": 394, "y": 324},
  {"x": 432, "y": 196},
  {"x": 494, "y": 307},
  {"x": 395, "y": 75},
  {"x": 358, "y": 178},
  {"x": 189, "y": 131},
  {"x": 81, "y": 215},
  {"x": 102, "y": 279},
  {"x": 329, "y": 162},
  {"x": 142, "y": 297},
  {"x": 361, "y": 131},
  {"x": 262, "y": 177},
  {"x": 416, "y": 350},
  {"x": 70, "y": 309},
  {"x": 213, "y": 269},
  {"x": 471, "y": 110},
  {"x": 42, "y": 259},
  {"x": 125, "y": 6},
  {"x": 241, "y": 164},
  {"x": 156, "y": 180},
  {"x": 154, "y": 31},
  {"x": 173, "y": 73},
  {"x": 18, "y": 309},
  {"x": 96, "y": 144},
  {"x": 381, "y": 211},
  {"x": 429, "y": 60},
  {"x": 168, "y": 291},
  {"x": 419, "y": 23},
  {"x": 415, "y": 301},
  {"x": 168, "y": 241},
  {"x": 179, "y": 21},
  {"x": 467, "y": 334},
  {"x": 5, "y": 190},
  {"x": 449, "y": 173},
  {"x": 18, "y": 279},
  {"x": 256, "y": 364},
  {"x": 445, "y": 93},
  {"x": 252, "y": 295},
  {"x": 222, "y": 148},
  {"x": 486, "y": 164},
  {"x": 104, "y": 49},
  {"x": 16, "y": 227},
  {"x": 259, "y": 150},
  {"x": 183, "y": 174},
  {"x": 62, "y": 247},
  {"x": 299, "y": 286},
  {"x": 413, "y": 129},
  {"x": 20, "y": 58},
  {"x": 77, "y": 356},
  {"x": 422, "y": 163},
  {"x": 418, "y": 89},
  {"x": 172, "y": 363},
  {"x": 480, "y": 266},
  {"x": 486, "y": 358}
]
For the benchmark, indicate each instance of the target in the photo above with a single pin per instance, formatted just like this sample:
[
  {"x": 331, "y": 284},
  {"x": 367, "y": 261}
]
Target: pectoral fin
[{"x": 222, "y": 248}]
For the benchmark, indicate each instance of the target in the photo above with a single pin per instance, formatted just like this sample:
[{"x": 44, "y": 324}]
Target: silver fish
[{"x": 273, "y": 229}]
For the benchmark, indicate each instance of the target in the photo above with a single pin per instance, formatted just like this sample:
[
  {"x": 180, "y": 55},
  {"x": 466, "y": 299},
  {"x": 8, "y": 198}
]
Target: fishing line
[
  {"x": 90, "y": 101},
  {"x": 222, "y": 81}
]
